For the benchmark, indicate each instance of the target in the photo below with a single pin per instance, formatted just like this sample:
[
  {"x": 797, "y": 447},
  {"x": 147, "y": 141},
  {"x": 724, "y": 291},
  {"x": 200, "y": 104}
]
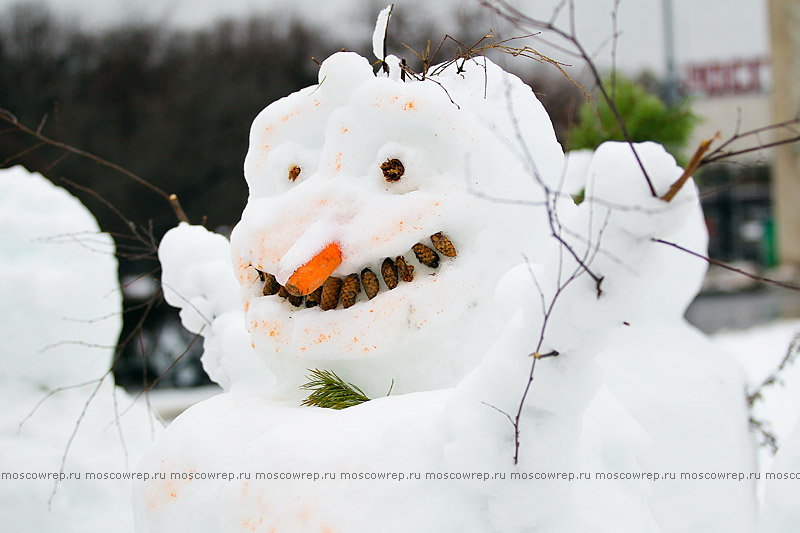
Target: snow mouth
[{"x": 348, "y": 290}]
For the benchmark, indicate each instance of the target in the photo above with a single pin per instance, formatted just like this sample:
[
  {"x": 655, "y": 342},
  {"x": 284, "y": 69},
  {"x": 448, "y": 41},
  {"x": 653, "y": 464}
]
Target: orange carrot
[{"x": 313, "y": 274}]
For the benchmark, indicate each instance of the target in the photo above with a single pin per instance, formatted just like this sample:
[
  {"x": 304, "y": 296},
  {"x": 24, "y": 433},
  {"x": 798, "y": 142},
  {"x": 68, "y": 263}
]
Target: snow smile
[{"x": 348, "y": 291}]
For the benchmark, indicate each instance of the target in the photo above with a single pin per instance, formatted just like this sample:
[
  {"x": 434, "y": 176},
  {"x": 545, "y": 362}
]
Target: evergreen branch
[{"x": 330, "y": 391}]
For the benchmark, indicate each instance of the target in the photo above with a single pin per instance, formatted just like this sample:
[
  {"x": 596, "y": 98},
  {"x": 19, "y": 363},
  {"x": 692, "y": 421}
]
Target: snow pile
[
  {"x": 60, "y": 321},
  {"x": 781, "y": 513},
  {"x": 622, "y": 385},
  {"x": 760, "y": 351}
]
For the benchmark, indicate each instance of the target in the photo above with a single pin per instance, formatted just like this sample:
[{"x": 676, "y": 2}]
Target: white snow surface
[
  {"x": 61, "y": 316},
  {"x": 760, "y": 351},
  {"x": 633, "y": 391},
  {"x": 781, "y": 513}
]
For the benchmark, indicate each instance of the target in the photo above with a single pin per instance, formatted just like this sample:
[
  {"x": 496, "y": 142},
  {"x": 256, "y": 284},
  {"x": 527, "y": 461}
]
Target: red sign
[{"x": 740, "y": 76}]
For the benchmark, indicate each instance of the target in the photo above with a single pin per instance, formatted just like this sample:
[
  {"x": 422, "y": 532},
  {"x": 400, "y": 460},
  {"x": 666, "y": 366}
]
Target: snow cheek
[
  {"x": 292, "y": 130},
  {"x": 400, "y": 169},
  {"x": 287, "y": 166}
]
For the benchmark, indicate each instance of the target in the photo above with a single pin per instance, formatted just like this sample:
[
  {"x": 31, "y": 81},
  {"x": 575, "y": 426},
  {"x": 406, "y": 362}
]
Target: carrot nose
[{"x": 307, "y": 278}]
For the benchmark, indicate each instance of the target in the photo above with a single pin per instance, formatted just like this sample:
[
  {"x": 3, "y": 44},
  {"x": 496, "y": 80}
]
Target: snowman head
[{"x": 381, "y": 214}]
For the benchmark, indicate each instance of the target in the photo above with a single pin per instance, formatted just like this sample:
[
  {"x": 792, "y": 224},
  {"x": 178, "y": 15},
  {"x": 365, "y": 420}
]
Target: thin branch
[
  {"x": 720, "y": 152},
  {"x": 517, "y": 18},
  {"x": 22, "y": 153},
  {"x": 791, "y": 354},
  {"x": 9, "y": 117},
  {"x": 63, "y": 464},
  {"x": 728, "y": 267}
]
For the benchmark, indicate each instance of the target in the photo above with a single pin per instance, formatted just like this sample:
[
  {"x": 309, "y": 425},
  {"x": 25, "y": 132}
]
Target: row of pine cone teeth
[{"x": 392, "y": 271}]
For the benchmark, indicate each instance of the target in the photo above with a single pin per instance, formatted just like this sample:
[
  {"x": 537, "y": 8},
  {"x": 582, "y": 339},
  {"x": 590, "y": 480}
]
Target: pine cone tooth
[
  {"x": 331, "y": 290},
  {"x": 296, "y": 301},
  {"x": 271, "y": 285},
  {"x": 350, "y": 290},
  {"x": 425, "y": 255},
  {"x": 370, "y": 282},
  {"x": 314, "y": 298},
  {"x": 404, "y": 270},
  {"x": 443, "y": 245},
  {"x": 389, "y": 273}
]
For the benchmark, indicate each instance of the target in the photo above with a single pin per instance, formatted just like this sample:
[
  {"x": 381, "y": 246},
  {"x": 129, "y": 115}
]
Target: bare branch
[
  {"x": 728, "y": 267},
  {"x": 721, "y": 153},
  {"x": 791, "y": 355},
  {"x": 517, "y": 18},
  {"x": 9, "y": 117}
]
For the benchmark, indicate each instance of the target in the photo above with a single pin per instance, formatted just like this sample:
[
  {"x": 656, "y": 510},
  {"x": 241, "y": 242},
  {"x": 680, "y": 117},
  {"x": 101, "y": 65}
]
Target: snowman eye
[
  {"x": 294, "y": 171},
  {"x": 393, "y": 170}
]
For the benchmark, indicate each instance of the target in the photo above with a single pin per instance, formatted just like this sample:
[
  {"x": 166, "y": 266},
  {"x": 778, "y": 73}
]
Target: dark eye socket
[
  {"x": 393, "y": 170},
  {"x": 294, "y": 171}
]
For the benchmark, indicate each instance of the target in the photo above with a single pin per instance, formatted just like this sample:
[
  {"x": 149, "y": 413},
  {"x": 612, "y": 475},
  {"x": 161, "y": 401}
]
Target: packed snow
[
  {"x": 623, "y": 386},
  {"x": 761, "y": 351},
  {"x": 60, "y": 322},
  {"x": 545, "y": 340}
]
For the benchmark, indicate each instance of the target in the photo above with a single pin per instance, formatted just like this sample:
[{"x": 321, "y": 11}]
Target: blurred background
[{"x": 168, "y": 89}]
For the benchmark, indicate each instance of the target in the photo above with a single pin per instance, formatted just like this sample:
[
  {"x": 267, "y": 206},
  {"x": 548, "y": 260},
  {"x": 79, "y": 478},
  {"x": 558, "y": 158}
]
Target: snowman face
[{"x": 368, "y": 242}]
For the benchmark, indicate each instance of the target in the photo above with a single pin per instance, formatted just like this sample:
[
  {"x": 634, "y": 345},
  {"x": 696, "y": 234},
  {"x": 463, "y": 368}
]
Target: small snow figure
[{"x": 438, "y": 453}]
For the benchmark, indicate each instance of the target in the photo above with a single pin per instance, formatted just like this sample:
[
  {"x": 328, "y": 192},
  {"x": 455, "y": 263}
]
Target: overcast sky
[{"x": 704, "y": 29}]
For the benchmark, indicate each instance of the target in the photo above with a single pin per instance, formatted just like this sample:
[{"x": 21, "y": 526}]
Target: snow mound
[{"x": 60, "y": 322}]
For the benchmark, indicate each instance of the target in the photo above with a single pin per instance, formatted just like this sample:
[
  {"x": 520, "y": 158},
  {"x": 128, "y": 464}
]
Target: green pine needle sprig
[{"x": 330, "y": 391}]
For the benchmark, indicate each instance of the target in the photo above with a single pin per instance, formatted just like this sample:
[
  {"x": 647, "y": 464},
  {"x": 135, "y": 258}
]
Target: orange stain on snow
[
  {"x": 409, "y": 105},
  {"x": 304, "y": 515},
  {"x": 285, "y": 118}
]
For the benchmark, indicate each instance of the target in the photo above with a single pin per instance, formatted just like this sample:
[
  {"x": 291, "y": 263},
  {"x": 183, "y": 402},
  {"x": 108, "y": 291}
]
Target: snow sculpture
[
  {"x": 316, "y": 174},
  {"x": 363, "y": 168},
  {"x": 61, "y": 312}
]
